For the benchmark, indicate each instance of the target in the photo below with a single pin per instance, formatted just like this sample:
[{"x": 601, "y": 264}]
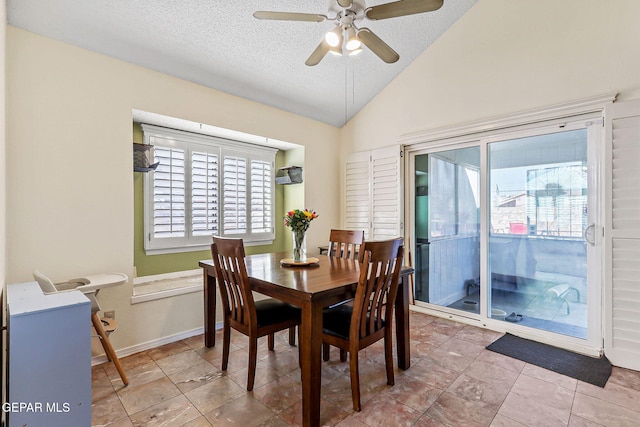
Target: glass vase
[{"x": 299, "y": 245}]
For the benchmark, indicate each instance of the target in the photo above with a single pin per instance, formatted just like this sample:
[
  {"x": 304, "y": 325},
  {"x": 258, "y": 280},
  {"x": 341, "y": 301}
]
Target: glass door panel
[
  {"x": 447, "y": 227},
  {"x": 538, "y": 197}
]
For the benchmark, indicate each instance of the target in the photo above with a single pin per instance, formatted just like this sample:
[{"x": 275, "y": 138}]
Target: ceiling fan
[{"x": 345, "y": 14}]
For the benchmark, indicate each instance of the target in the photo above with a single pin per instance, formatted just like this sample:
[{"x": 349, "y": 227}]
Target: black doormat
[{"x": 584, "y": 368}]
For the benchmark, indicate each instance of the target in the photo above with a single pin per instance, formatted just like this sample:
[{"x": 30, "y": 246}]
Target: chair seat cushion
[
  {"x": 271, "y": 311},
  {"x": 336, "y": 321}
]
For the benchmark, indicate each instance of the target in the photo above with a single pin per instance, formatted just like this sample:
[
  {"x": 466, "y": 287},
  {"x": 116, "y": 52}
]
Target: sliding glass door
[
  {"x": 447, "y": 212},
  {"x": 503, "y": 229},
  {"x": 538, "y": 214}
]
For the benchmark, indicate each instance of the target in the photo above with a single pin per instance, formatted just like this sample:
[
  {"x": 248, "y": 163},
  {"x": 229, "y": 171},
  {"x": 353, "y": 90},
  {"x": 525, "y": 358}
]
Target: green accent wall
[{"x": 147, "y": 265}]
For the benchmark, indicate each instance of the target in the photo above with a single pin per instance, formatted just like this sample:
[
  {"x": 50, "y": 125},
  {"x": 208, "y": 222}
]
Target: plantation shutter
[
  {"x": 373, "y": 200},
  {"x": 357, "y": 193},
  {"x": 261, "y": 192},
  {"x": 622, "y": 235},
  {"x": 386, "y": 193},
  {"x": 235, "y": 195},
  {"x": 206, "y": 186},
  {"x": 204, "y": 193},
  {"x": 169, "y": 193}
]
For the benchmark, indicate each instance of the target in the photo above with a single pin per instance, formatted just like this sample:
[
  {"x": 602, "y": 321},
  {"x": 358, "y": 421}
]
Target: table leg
[
  {"x": 209, "y": 309},
  {"x": 311, "y": 345},
  {"x": 402, "y": 324}
]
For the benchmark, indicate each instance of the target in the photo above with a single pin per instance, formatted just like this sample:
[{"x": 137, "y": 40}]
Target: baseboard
[{"x": 127, "y": 351}]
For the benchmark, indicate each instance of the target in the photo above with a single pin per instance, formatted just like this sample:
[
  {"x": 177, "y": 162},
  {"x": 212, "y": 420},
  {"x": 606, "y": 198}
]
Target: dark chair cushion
[
  {"x": 336, "y": 320},
  {"x": 270, "y": 311}
]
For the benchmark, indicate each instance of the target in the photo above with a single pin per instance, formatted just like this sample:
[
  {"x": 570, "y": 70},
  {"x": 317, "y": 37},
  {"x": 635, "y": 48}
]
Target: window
[{"x": 206, "y": 186}]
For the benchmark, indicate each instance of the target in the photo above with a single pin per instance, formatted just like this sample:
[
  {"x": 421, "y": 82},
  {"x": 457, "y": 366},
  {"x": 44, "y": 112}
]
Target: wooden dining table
[{"x": 312, "y": 288}]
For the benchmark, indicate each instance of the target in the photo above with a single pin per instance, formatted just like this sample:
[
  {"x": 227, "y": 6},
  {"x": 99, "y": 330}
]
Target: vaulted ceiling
[{"x": 219, "y": 44}]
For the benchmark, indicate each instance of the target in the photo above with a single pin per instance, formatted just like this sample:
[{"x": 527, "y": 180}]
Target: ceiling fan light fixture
[
  {"x": 353, "y": 43},
  {"x": 354, "y": 52},
  {"x": 336, "y": 51},
  {"x": 334, "y": 37}
]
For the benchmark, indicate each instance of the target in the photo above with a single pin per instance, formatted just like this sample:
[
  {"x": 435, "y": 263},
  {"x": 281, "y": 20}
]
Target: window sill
[
  {"x": 150, "y": 288},
  {"x": 197, "y": 248}
]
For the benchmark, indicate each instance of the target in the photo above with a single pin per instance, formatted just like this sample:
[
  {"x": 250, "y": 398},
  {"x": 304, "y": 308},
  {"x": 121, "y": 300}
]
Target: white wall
[
  {"x": 70, "y": 176},
  {"x": 506, "y": 56}
]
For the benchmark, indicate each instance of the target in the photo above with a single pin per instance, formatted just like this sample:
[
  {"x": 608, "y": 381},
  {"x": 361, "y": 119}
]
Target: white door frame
[{"x": 484, "y": 131}]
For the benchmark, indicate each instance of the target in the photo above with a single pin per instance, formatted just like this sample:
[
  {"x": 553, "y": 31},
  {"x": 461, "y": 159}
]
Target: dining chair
[
  {"x": 254, "y": 319},
  {"x": 353, "y": 327},
  {"x": 345, "y": 243}
]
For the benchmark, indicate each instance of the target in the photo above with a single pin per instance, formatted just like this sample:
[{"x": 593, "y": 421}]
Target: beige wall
[
  {"x": 70, "y": 176},
  {"x": 506, "y": 56}
]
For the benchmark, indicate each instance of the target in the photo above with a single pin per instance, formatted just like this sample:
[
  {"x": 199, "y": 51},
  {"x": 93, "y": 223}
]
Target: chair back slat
[
  {"x": 345, "y": 243},
  {"x": 233, "y": 281},
  {"x": 377, "y": 287}
]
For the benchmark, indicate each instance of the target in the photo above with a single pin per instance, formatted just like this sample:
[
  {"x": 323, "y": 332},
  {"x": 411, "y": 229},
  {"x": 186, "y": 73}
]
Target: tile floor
[{"x": 453, "y": 380}]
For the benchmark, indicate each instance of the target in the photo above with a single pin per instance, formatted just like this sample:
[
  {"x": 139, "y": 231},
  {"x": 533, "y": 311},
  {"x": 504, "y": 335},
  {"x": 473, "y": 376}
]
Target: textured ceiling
[{"x": 220, "y": 44}]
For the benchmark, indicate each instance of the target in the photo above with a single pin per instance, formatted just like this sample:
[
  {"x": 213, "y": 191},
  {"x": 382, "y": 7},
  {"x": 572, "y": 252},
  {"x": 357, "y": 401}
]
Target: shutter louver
[
  {"x": 235, "y": 195},
  {"x": 168, "y": 193},
  {"x": 204, "y": 194},
  {"x": 261, "y": 188}
]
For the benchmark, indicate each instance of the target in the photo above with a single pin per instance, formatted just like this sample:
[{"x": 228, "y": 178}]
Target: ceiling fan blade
[
  {"x": 345, "y": 3},
  {"x": 289, "y": 16},
  {"x": 377, "y": 46},
  {"x": 316, "y": 56},
  {"x": 402, "y": 8}
]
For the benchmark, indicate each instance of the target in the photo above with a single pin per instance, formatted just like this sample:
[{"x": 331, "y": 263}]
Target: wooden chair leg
[
  {"x": 343, "y": 355},
  {"x": 272, "y": 342},
  {"x": 108, "y": 348},
  {"x": 355, "y": 381},
  {"x": 299, "y": 349},
  {"x": 103, "y": 343},
  {"x": 388, "y": 359},
  {"x": 292, "y": 335},
  {"x": 101, "y": 334},
  {"x": 253, "y": 354},
  {"x": 325, "y": 351},
  {"x": 226, "y": 343}
]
